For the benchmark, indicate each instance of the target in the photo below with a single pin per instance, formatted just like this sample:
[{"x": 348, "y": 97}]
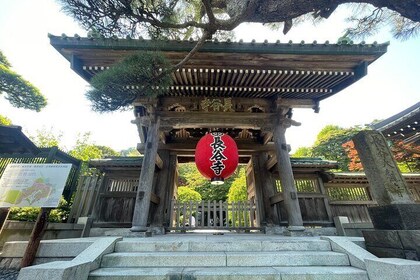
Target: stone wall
[{"x": 20, "y": 231}]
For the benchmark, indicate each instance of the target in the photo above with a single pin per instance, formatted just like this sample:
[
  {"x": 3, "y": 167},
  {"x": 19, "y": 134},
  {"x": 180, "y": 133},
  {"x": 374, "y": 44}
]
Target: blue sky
[{"x": 392, "y": 83}]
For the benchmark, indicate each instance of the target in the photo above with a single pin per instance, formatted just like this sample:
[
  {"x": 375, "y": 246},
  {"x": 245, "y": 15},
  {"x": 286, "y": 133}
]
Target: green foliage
[
  {"x": 5, "y": 120},
  {"x": 136, "y": 75},
  {"x": 189, "y": 176},
  {"x": 328, "y": 132},
  {"x": 130, "y": 152},
  {"x": 329, "y": 144},
  {"x": 238, "y": 190},
  {"x": 108, "y": 152},
  {"x": 186, "y": 194},
  {"x": 4, "y": 61},
  {"x": 302, "y": 152},
  {"x": 19, "y": 92},
  {"x": 214, "y": 192},
  {"x": 47, "y": 138},
  {"x": 30, "y": 214},
  {"x": 84, "y": 149}
]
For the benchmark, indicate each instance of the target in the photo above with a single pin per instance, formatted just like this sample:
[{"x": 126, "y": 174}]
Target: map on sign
[{"x": 34, "y": 185}]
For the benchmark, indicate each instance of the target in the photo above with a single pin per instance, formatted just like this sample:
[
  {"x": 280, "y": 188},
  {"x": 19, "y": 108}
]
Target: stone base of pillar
[
  {"x": 396, "y": 216},
  {"x": 296, "y": 228},
  {"x": 404, "y": 244},
  {"x": 297, "y": 231},
  {"x": 138, "y": 229}
]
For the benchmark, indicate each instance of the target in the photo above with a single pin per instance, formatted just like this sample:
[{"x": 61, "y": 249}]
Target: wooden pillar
[
  {"x": 171, "y": 189},
  {"x": 161, "y": 190},
  {"x": 268, "y": 191},
  {"x": 258, "y": 185},
  {"x": 287, "y": 180},
  {"x": 142, "y": 204}
]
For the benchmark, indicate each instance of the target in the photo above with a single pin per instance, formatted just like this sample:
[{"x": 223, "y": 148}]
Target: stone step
[
  {"x": 222, "y": 246},
  {"x": 211, "y": 259},
  {"x": 231, "y": 273}
]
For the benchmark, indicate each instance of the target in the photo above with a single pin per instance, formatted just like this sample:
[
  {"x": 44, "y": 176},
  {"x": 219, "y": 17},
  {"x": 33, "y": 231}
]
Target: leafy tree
[
  {"x": 329, "y": 144},
  {"x": 186, "y": 194},
  {"x": 47, "y": 138},
  {"x": 108, "y": 152},
  {"x": 190, "y": 177},
  {"x": 160, "y": 17},
  {"x": 238, "y": 190},
  {"x": 5, "y": 120},
  {"x": 303, "y": 152},
  {"x": 116, "y": 88},
  {"x": 354, "y": 161},
  {"x": 18, "y": 91},
  {"x": 214, "y": 192},
  {"x": 407, "y": 156},
  {"x": 85, "y": 149},
  {"x": 130, "y": 152}
]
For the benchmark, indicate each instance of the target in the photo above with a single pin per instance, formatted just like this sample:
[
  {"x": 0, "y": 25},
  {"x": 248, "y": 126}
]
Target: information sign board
[{"x": 34, "y": 185}]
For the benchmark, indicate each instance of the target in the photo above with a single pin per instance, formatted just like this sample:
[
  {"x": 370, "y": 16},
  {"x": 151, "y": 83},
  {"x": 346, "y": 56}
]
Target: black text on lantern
[{"x": 218, "y": 146}]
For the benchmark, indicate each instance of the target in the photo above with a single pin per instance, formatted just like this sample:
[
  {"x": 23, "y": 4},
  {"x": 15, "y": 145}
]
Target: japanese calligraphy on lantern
[
  {"x": 216, "y": 156},
  {"x": 218, "y": 146},
  {"x": 34, "y": 185},
  {"x": 217, "y": 105}
]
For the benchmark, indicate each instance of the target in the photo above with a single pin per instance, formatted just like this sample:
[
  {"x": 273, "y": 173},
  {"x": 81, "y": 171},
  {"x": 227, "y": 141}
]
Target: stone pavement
[{"x": 8, "y": 274}]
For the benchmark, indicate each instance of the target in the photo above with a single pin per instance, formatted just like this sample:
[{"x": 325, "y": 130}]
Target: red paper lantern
[{"x": 216, "y": 157}]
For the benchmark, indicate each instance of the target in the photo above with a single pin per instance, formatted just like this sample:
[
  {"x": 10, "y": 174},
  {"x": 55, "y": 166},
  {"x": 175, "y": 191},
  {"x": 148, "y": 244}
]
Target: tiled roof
[{"x": 235, "y": 69}]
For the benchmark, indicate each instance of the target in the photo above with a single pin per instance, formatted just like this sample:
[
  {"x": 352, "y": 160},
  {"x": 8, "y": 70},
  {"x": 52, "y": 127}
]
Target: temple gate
[{"x": 247, "y": 90}]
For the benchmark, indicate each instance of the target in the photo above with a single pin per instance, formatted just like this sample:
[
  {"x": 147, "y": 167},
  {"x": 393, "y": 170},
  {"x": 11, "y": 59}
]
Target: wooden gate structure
[{"x": 247, "y": 90}]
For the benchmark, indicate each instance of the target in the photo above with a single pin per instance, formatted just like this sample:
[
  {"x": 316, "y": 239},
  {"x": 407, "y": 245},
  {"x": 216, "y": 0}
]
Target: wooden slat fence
[
  {"x": 214, "y": 215},
  {"x": 86, "y": 195},
  {"x": 351, "y": 200},
  {"x": 312, "y": 201}
]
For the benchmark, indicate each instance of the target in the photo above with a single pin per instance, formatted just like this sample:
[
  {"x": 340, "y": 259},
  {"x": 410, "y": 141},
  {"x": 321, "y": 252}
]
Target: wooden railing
[{"x": 214, "y": 215}]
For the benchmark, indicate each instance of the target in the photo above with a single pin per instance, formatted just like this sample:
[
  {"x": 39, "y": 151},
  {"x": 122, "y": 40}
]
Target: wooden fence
[
  {"x": 313, "y": 202},
  {"x": 214, "y": 215},
  {"x": 110, "y": 200},
  {"x": 86, "y": 195},
  {"x": 350, "y": 200}
]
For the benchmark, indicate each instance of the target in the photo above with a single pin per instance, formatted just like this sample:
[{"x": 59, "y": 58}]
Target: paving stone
[
  {"x": 292, "y": 258},
  {"x": 322, "y": 273},
  {"x": 164, "y": 259}
]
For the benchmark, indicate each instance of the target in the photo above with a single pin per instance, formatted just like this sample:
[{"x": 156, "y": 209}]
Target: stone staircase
[{"x": 233, "y": 256}]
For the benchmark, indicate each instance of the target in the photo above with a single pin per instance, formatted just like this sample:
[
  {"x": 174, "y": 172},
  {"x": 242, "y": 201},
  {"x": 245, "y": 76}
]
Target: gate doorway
[{"x": 218, "y": 215}]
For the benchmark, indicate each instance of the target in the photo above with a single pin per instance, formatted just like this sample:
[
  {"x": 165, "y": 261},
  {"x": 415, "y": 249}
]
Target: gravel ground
[{"x": 8, "y": 274}]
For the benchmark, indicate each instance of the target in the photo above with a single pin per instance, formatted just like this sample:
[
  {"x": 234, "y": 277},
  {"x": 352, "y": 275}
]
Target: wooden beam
[
  {"x": 189, "y": 147},
  {"x": 154, "y": 198},
  {"x": 278, "y": 197},
  {"x": 296, "y": 103},
  {"x": 244, "y": 159},
  {"x": 77, "y": 66},
  {"x": 178, "y": 120},
  {"x": 159, "y": 162}
]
